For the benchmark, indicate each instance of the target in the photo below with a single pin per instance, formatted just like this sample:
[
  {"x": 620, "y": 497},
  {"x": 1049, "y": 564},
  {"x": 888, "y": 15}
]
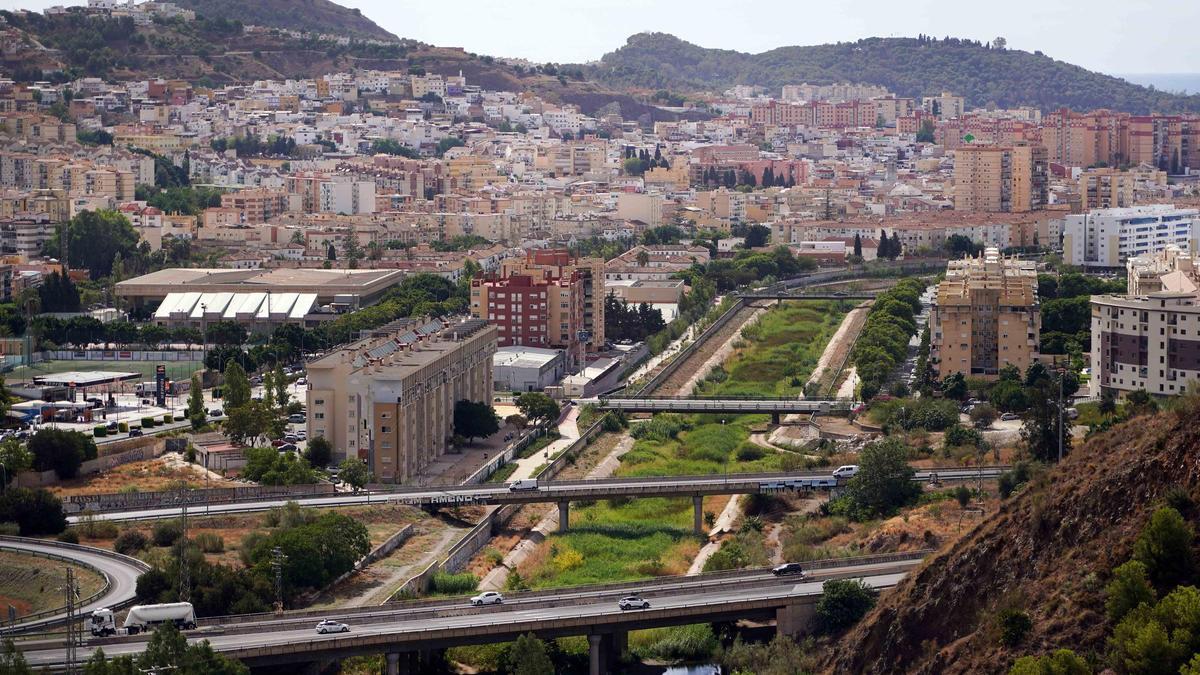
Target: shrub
[
  {"x": 100, "y": 431},
  {"x": 97, "y": 529},
  {"x": 749, "y": 452},
  {"x": 123, "y": 427},
  {"x": 167, "y": 532},
  {"x": 680, "y": 643},
  {"x": 34, "y": 511},
  {"x": 148, "y": 422},
  {"x": 167, "y": 419},
  {"x": 661, "y": 427},
  {"x": 1130, "y": 587},
  {"x": 130, "y": 542},
  {"x": 963, "y": 494},
  {"x": 1165, "y": 548},
  {"x": 10, "y": 529},
  {"x": 454, "y": 584},
  {"x": 842, "y": 604},
  {"x": 958, "y": 435},
  {"x": 69, "y": 537},
  {"x": 1061, "y": 662},
  {"x": 210, "y": 542},
  {"x": 1014, "y": 626}
]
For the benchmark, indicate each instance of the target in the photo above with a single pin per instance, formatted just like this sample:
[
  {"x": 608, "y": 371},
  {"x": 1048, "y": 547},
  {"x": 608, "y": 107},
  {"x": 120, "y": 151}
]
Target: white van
[
  {"x": 846, "y": 471},
  {"x": 523, "y": 484}
]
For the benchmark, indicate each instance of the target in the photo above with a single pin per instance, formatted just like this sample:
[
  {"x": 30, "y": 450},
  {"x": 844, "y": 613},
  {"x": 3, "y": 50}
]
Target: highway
[
  {"x": 121, "y": 572},
  {"x": 264, "y": 639},
  {"x": 547, "y": 492}
]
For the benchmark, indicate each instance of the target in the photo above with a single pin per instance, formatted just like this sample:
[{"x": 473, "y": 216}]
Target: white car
[
  {"x": 846, "y": 471},
  {"x": 331, "y": 626},
  {"x": 487, "y": 598},
  {"x": 633, "y": 602}
]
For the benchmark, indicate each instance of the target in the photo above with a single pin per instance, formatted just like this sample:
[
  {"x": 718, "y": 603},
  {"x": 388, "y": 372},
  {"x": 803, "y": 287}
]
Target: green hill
[
  {"x": 908, "y": 66},
  {"x": 317, "y": 16}
]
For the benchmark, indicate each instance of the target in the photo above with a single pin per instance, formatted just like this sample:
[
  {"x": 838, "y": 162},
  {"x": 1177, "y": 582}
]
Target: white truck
[{"x": 143, "y": 618}]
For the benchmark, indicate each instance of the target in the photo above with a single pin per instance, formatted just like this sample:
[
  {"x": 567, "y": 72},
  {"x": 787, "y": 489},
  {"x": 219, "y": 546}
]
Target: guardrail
[
  {"x": 21, "y": 625},
  {"x": 616, "y": 587}
]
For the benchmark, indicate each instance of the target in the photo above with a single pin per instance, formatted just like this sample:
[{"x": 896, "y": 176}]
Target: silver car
[
  {"x": 331, "y": 626},
  {"x": 633, "y": 602}
]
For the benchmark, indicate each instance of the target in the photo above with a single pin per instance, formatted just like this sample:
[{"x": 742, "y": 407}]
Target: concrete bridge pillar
[
  {"x": 775, "y": 418},
  {"x": 597, "y": 658},
  {"x": 793, "y": 620},
  {"x": 564, "y": 516},
  {"x": 698, "y": 514},
  {"x": 393, "y": 663}
]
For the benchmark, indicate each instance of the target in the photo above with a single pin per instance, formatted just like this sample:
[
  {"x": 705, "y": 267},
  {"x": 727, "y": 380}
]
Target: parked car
[
  {"x": 487, "y": 598},
  {"x": 331, "y": 626},
  {"x": 302, "y": 435},
  {"x": 845, "y": 471},
  {"x": 288, "y": 447},
  {"x": 291, "y": 438},
  {"x": 112, "y": 426},
  {"x": 135, "y": 431},
  {"x": 278, "y": 443},
  {"x": 788, "y": 569},
  {"x": 216, "y": 412},
  {"x": 633, "y": 602},
  {"x": 1008, "y": 417},
  {"x": 297, "y": 418},
  {"x": 302, "y": 381}
]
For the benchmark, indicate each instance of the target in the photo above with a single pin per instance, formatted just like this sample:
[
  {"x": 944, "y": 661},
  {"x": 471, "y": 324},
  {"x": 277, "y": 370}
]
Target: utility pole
[
  {"x": 74, "y": 628},
  {"x": 277, "y": 560},
  {"x": 185, "y": 570}
]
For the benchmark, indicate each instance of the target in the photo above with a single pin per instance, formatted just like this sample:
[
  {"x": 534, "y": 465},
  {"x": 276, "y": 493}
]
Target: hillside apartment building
[
  {"x": 1107, "y": 238},
  {"x": 389, "y": 399}
]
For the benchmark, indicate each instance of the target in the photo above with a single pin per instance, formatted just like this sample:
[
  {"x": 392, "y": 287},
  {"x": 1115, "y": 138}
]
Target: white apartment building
[
  {"x": 348, "y": 197},
  {"x": 1150, "y": 342},
  {"x": 1106, "y": 238}
]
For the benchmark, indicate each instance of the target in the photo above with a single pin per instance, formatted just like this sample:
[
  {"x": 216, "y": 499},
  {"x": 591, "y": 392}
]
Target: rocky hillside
[
  {"x": 907, "y": 66},
  {"x": 317, "y": 16},
  {"x": 1048, "y": 552}
]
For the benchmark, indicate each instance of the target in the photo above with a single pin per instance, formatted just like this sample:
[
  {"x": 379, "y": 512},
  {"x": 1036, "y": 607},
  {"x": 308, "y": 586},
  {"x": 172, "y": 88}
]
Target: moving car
[
  {"x": 845, "y": 471},
  {"x": 633, "y": 602},
  {"x": 331, "y": 626},
  {"x": 523, "y": 484},
  {"x": 135, "y": 431},
  {"x": 788, "y": 569},
  {"x": 487, "y": 598}
]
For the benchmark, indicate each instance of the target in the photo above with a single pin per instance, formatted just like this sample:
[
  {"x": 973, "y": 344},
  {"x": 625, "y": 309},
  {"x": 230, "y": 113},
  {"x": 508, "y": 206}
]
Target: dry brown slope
[{"x": 1035, "y": 554}]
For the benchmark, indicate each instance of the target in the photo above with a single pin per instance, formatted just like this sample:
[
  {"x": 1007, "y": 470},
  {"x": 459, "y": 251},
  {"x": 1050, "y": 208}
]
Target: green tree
[
  {"x": 536, "y": 406},
  {"x": 843, "y": 602},
  {"x": 249, "y": 422},
  {"x": 237, "y": 385},
  {"x": 319, "y": 452},
  {"x": 61, "y": 451},
  {"x": 884, "y": 481},
  {"x": 1014, "y": 626},
  {"x": 1041, "y": 430},
  {"x": 925, "y": 134},
  {"x": 528, "y": 657},
  {"x": 955, "y": 386},
  {"x": 354, "y": 472},
  {"x": 195, "y": 409},
  {"x": 982, "y": 416},
  {"x": 95, "y": 239},
  {"x": 168, "y": 651},
  {"x": 36, "y": 512},
  {"x": 15, "y": 457},
  {"x": 475, "y": 420},
  {"x": 12, "y": 662},
  {"x": 1165, "y": 548},
  {"x": 281, "y": 386},
  {"x": 1129, "y": 588}
]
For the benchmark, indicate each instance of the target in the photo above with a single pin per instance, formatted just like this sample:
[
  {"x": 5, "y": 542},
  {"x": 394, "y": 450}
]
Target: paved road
[
  {"x": 765, "y": 406},
  {"x": 122, "y": 573},
  {"x": 296, "y": 635},
  {"x": 550, "y": 491}
]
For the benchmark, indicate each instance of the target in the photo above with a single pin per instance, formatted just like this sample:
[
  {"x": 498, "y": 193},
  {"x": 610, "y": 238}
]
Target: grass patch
[
  {"x": 538, "y": 445},
  {"x": 502, "y": 473}
]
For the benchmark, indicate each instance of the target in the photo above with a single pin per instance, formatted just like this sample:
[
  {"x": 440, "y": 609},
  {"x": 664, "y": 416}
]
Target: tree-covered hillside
[
  {"x": 317, "y": 16},
  {"x": 908, "y": 66}
]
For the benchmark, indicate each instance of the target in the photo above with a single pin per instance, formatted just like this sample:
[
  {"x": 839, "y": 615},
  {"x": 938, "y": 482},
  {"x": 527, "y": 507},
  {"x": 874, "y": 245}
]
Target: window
[
  {"x": 385, "y": 430},
  {"x": 319, "y": 401},
  {"x": 319, "y": 416}
]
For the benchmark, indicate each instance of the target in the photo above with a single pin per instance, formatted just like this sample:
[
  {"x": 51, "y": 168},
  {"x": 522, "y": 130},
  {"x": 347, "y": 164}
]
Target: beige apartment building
[
  {"x": 389, "y": 399},
  {"x": 1106, "y": 189},
  {"x": 1000, "y": 178},
  {"x": 985, "y": 316}
]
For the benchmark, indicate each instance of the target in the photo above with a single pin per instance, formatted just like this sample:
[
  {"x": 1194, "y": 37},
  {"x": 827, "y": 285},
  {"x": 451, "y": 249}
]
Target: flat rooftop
[
  {"x": 325, "y": 283},
  {"x": 85, "y": 378},
  {"x": 524, "y": 357}
]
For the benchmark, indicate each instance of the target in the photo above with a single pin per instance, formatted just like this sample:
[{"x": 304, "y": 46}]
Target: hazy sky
[{"x": 1113, "y": 36}]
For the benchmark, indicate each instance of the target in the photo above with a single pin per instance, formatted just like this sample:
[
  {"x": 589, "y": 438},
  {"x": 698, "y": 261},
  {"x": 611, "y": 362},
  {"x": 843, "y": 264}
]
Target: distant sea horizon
[{"x": 1186, "y": 83}]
